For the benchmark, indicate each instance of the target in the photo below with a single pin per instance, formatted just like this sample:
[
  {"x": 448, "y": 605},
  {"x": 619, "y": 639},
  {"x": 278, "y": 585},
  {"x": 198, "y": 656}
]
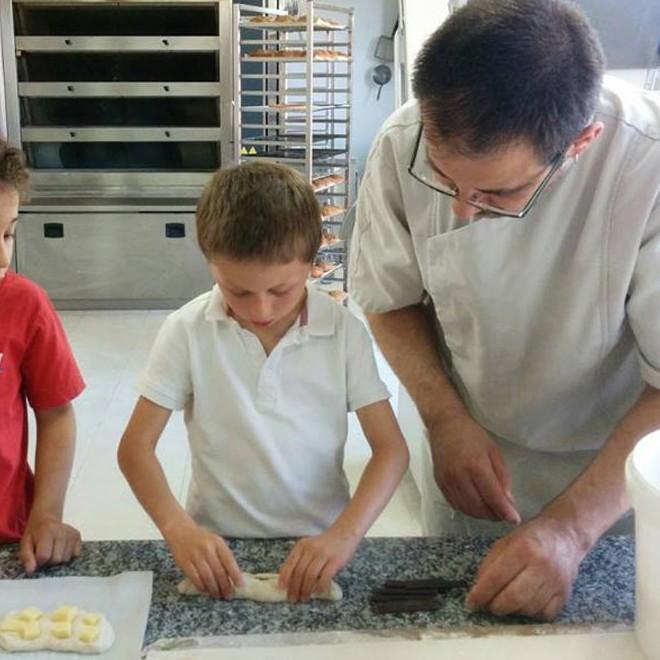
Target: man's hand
[
  {"x": 314, "y": 561},
  {"x": 47, "y": 541},
  {"x": 471, "y": 472},
  {"x": 530, "y": 572},
  {"x": 205, "y": 559}
]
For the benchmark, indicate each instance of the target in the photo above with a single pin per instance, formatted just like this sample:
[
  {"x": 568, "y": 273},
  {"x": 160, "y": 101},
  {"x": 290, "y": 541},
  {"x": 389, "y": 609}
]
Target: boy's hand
[
  {"x": 47, "y": 540},
  {"x": 205, "y": 559},
  {"x": 314, "y": 561}
]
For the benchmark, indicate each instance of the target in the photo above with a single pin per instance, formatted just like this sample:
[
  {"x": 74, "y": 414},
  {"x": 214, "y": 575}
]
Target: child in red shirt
[{"x": 36, "y": 366}]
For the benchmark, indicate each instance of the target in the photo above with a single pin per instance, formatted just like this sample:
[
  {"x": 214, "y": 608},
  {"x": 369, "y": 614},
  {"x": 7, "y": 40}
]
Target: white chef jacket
[
  {"x": 266, "y": 433},
  {"x": 551, "y": 323}
]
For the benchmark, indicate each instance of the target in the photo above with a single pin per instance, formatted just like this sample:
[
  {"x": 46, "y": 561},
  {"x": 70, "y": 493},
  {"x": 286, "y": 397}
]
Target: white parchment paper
[{"x": 124, "y": 599}]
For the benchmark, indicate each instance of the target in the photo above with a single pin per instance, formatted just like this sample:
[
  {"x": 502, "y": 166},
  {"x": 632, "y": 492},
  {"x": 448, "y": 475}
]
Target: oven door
[{"x": 119, "y": 98}]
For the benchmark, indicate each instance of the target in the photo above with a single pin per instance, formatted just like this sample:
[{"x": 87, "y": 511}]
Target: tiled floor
[{"x": 111, "y": 348}]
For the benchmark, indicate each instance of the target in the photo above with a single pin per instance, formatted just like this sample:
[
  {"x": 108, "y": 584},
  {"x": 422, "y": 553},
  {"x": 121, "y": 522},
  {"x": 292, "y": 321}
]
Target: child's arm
[
  {"x": 204, "y": 557},
  {"x": 47, "y": 540},
  {"x": 314, "y": 561}
]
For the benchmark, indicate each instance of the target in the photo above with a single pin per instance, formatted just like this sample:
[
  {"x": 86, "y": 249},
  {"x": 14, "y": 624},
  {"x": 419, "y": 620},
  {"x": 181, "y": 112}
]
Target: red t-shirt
[{"x": 36, "y": 363}]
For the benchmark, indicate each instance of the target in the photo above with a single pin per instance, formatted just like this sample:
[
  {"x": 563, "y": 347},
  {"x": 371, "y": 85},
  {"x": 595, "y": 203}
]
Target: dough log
[{"x": 261, "y": 587}]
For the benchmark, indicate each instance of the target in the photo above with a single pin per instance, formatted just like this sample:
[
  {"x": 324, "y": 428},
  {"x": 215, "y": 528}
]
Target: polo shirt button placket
[{"x": 267, "y": 380}]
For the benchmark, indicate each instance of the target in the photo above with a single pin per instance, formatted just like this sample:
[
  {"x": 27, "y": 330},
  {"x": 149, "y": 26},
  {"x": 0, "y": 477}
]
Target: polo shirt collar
[
  {"x": 215, "y": 307},
  {"x": 320, "y": 311}
]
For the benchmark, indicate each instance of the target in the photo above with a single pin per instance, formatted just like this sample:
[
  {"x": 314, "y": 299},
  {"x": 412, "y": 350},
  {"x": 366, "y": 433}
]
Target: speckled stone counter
[{"x": 603, "y": 594}]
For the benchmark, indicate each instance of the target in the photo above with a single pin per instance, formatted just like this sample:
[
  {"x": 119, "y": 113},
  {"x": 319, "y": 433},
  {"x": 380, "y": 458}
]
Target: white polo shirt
[
  {"x": 551, "y": 322},
  {"x": 266, "y": 433}
]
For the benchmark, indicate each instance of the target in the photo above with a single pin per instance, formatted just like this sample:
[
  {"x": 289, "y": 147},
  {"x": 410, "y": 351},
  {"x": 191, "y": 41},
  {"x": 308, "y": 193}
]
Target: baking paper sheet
[
  {"x": 124, "y": 599},
  {"x": 512, "y": 643},
  {"x": 613, "y": 645}
]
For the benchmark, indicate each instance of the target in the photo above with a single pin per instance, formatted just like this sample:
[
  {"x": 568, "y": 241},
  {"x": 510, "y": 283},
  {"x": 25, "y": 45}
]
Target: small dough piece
[
  {"x": 31, "y": 630},
  {"x": 12, "y": 624},
  {"x": 67, "y": 629},
  {"x": 64, "y": 613},
  {"x": 88, "y": 634},
  {"x": 261, "y": 587},
  {"x": 31, "y": 614},
  {"x": 91, "y": 619},
  {"x": 61, "y": 629}
]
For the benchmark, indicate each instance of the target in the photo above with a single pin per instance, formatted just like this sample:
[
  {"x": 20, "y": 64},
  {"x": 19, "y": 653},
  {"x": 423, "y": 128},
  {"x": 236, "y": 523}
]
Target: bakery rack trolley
[{"x": 292, "y": 105}]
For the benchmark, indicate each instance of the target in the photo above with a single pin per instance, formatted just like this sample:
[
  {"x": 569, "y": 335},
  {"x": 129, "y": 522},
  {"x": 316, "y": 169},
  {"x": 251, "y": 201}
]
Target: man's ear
[{"x": 585, "y": 139}]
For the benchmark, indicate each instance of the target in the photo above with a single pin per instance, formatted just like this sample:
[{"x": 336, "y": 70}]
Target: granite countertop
[{"x": 603, "y": 593}]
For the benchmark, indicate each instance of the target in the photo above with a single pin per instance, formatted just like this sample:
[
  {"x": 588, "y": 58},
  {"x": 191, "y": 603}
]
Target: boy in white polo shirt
[{"x": 266, "y": 370}]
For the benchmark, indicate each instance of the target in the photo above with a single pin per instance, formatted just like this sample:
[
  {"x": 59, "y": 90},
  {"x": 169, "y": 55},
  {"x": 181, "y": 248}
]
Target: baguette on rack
[{"x": 321, "y": 54}]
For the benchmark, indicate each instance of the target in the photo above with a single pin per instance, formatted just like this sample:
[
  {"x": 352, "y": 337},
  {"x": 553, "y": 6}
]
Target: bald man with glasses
[{"x": 507, "y": 255}]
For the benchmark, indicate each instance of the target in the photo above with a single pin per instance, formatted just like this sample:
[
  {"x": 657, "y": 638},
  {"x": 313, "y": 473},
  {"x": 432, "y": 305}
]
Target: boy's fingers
[
  {"x": 220, "y": 577},
  {"x": 193, "y": 575},
  {"x": 225, "y": 584},
  {"x": 72, "y": 541},
  {"x": 311, "y": 577},
  {"x": 287, "y": 568},
  {"x": 228, "y": 560},
  {"x": 295, "y": 583},
  {"x": 60, "y": 551},
  {"x": 44, "y": 549},
  {"x": 328, "y": 572},
  {"x": 207, "y": 576},
  {"x": 77, "y": 548},
  {"x": 27, "y": 554}
]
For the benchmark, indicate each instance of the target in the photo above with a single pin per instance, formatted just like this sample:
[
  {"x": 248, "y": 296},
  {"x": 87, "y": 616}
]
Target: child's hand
[
  {"x": 205, "y": 559},
  {"x": 48, "y": 540},
  {"x": 314, "y": 561}
]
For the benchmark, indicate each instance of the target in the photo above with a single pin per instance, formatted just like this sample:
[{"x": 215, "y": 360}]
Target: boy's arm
[
  {"x": 47, "y": 540},
  {"x": 203, "y": 556},
  {"x": 314, "y": 561}
]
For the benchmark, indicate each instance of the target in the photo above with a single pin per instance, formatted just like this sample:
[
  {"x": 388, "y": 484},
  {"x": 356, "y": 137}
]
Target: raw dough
[
  {"x": 67, "y": 629},
  {"x": 262, "y": 587}
]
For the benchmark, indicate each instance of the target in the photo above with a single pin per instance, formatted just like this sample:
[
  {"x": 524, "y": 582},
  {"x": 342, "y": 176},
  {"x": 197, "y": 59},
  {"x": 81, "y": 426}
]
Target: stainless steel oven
[{"x": 123, "y": 109}]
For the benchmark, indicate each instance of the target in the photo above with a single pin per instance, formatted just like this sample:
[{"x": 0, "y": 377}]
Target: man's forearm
[
  {"x": 407, "y": 340},
  {"x": 597, "y": 498}
]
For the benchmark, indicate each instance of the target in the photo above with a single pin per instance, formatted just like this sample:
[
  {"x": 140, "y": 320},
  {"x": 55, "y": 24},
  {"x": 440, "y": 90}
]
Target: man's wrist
[{"x": 581, "y": 526}]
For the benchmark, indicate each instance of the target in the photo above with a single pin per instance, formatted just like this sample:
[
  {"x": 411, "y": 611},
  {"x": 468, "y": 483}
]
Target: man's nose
[{"x": 463, "y": 210}]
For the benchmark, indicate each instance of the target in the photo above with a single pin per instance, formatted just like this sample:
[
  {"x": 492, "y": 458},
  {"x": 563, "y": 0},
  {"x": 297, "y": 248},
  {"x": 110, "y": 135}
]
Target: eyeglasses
[{"x": 421, "y": 170}]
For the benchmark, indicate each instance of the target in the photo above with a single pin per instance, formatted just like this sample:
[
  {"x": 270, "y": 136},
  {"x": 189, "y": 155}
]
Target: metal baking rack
[{"x": 295, "y": 107}]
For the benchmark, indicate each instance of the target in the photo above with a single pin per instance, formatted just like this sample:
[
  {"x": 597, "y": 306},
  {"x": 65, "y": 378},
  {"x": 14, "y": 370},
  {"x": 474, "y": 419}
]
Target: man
[{"x": 519, "y": 195}]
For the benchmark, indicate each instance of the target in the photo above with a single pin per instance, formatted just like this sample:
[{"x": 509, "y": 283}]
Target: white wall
[{"x": 421, "y": 18}]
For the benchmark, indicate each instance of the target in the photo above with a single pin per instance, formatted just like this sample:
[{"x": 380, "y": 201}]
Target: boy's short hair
[
  {"x": 501, "y": 71},
  {"x": 259, "y": 210},
  {"x": 13, "y": 170}
]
